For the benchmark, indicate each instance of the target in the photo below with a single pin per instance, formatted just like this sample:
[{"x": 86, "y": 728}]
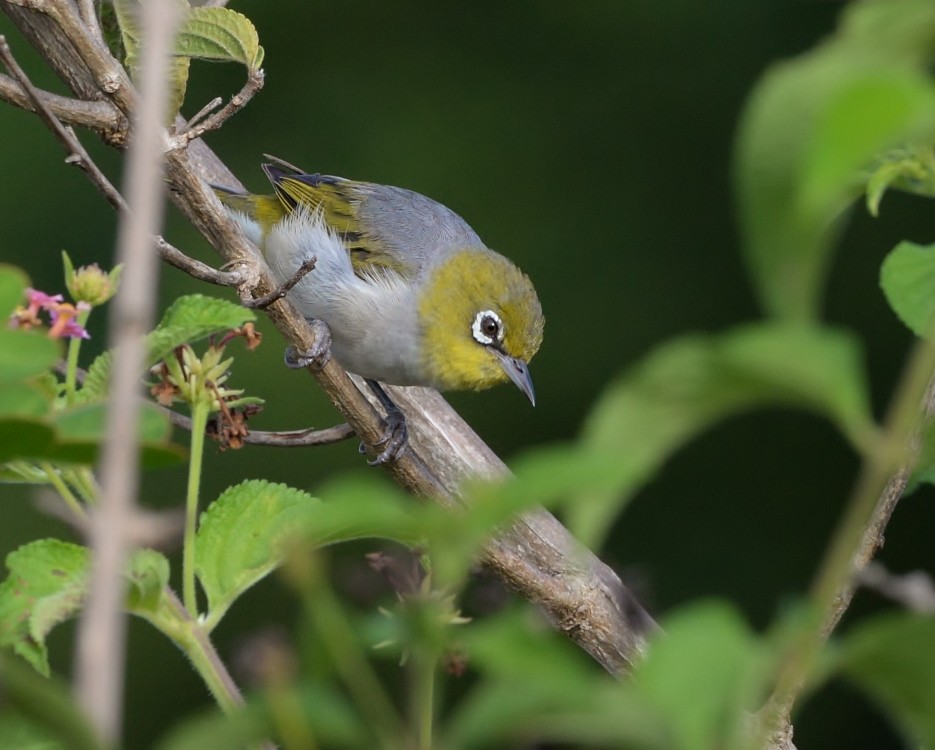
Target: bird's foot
[
  {"x": 395, "y": 433},
  {"x": 393, "y": 440},
  {"x": 317, "y": 355}
]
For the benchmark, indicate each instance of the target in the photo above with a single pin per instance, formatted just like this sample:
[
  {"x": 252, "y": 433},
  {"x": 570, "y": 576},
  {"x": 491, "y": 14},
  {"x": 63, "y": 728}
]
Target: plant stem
[
  {"x": 71, "y": 364},
  {"x": 55, "y": 479},
  {"x": 334, "y": 632},
  {"x": 847, "y": 548},
  {"x": 200, "y": 410},
  {"x": 423, "y": 696}
]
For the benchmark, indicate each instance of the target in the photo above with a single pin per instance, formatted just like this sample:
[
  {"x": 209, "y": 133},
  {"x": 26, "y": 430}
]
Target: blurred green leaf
[
  {"x": 892, "y": 659},
  {"x": 684, "y": 386},
  {"x": 13, "y": 284},
  {"x": 908, "y": 280},
  {"x": 909, "y": 168},
  {"x": 89, "y": 423},
  {"x": 811, "y": 126},
  {"x": 46, "y": 585},
  {"x": 24, "y": 354},
  {"x": 703, "y": 676},
  {"x": 46, "y": 703},
  {"x": 22, "y": 400},
  {"x": 220, "y": 35},
  {"x": 535, "y": 686},
  {"x": 17, "y": 732},
  {"x": 23, "y": 438}
]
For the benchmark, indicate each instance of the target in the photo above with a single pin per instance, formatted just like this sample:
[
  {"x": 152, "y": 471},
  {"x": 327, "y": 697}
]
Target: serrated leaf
[
  {"x": 241, "y": 537},
  {"x": 45, "y": 586},
  {"x": 191, "y": 318},
  {"x": 24, "y": 354},
  {"x": 908, "y": 280},
  {"x": 47, "y": 583},
  {"x": 187, "y": 320},
  {"x": 220, "y": 35},
  {"x": 892, "y": 659},
  {"x": 687, "y": 385},
  {"x": 810, "y": 128},
  {"x": 13, "y": 283},
  {"x": 245, "y": 534}
]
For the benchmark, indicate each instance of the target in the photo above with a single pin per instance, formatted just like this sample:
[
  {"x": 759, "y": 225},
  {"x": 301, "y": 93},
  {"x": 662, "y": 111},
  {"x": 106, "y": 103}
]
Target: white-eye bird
[{"x": 411, "y": 294}]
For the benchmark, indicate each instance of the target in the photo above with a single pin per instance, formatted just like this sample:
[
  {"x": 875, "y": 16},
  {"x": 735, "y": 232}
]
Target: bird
[{"x": 410, "y": 293}]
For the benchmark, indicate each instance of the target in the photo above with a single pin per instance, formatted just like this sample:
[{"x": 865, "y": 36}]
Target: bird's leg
[
  {"x": 395, "y": 432},
  {"x": 317, "y": 356}
]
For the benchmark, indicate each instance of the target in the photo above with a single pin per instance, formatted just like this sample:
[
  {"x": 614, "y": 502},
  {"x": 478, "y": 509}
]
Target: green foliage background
[{"x": 591, "y": 142}]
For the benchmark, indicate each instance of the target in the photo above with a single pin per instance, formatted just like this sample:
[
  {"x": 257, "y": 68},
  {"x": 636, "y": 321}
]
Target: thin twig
[
  {"x": 238, "y": 101},
  {"x": 99, "y": 115},
  {"x": 63, "y": 132},
  {"x": 101, "y": 635},
  {"x": 201, "y": 114},
  {"x": 291, "y": 439},
  {"x": 859, "y": 534},
  {"x": 264, "y": 301},
  {"x": 195, "y": 268}
]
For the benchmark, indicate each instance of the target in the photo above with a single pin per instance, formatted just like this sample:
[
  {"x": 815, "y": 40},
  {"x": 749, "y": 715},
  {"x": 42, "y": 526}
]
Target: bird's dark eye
[{"x": 487, "y": 328}]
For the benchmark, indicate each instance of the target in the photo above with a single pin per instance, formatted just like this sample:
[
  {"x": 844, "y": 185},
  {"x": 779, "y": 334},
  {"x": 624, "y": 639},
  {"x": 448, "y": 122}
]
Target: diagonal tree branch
[{"x": 537, "y": 555}]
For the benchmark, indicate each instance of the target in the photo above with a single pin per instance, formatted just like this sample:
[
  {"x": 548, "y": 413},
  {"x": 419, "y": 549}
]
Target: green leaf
[
  {"x": 88, "y": 423},
  {"x": 46, "y": 703},
  {"x": 703, "y": 676},
  {"x": 24, "y": 354},
  {"x": 25, "y": 438},
  {"x": 537, "y": 687},
  {"x": 17, "y": 732},
  {"x": 13, "y": 283},
  {"x": 46, "y": 586},
  {"x": 810, "y": 128},
  {"x": 892, "y": 659},
  {"x": 242, "y": 538},
  {"x": 22, "y": 400},
  {"x": 187, "y": 320},
  {"x": 220, "y": 35},
  {"x": 687, "y": 385},
  {"x": 909, "y": 168},
  {"x": 908, "y": 280},
  {"x": 147, "y": 576},
  {"x": 246, "y": 533}
]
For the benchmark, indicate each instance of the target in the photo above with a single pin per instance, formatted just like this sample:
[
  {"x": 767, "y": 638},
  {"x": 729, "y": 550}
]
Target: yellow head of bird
[{"x": 481, "y": 322}]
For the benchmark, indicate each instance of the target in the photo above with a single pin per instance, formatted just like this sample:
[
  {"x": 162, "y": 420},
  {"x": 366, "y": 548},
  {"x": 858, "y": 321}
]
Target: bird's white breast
[{"x": 373, "y": 320}]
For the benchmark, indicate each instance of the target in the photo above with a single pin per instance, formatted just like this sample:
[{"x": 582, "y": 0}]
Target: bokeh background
[{"x": 592, "y": 143}]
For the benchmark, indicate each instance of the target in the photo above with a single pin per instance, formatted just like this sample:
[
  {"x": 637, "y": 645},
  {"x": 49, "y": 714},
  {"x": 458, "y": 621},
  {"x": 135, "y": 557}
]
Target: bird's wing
[{"x": 382, "y": 227}]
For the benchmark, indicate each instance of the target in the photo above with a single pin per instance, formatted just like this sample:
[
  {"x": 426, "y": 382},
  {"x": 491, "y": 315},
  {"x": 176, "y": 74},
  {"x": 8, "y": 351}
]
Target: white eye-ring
[{"x": 487, "y": 328}]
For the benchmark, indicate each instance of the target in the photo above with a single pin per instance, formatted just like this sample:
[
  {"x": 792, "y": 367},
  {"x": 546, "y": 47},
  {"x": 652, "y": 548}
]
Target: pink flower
[
  {"x": 62, "y": 314},
  {"x": 64, "y": 324}
]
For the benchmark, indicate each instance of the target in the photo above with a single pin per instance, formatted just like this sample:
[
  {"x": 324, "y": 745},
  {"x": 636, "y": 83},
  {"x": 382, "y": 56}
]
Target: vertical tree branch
[{"x": 101, "y": 634}]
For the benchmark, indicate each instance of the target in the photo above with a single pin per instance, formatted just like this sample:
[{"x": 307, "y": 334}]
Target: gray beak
[{"x": 518, "y": 372}]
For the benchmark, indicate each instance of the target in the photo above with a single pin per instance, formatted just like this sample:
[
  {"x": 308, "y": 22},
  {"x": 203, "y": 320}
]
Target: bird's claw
[
  {"x": 317, "y": 355},
  {"x": 392, "y": 441}
]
